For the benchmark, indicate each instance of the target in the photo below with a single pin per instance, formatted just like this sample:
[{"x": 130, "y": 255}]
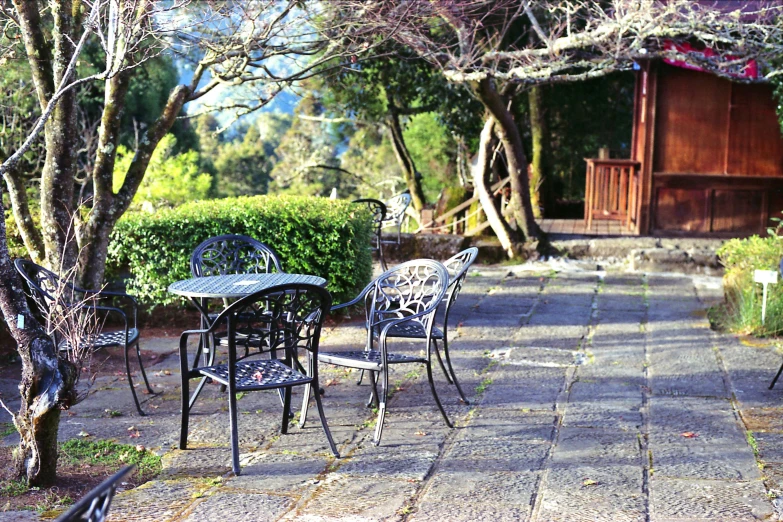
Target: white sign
[{"x": 765, "y": 276}]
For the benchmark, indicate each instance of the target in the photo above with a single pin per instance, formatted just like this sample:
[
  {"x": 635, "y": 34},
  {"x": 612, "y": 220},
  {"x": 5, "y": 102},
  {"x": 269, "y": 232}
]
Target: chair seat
[
  {"x": 412, "y": 330},
  {"x": 107, "y": 339},
  {"x": 365, "y": 360},
  {"x": 258, "y": 374}
]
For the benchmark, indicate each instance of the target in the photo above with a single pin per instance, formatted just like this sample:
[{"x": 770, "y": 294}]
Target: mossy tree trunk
[
  {"x": 519, "y": 206},
  {"x": 408, "y": 167},
  {"x": 47, "y": 381},
  {"x": 541, "y": 190}
]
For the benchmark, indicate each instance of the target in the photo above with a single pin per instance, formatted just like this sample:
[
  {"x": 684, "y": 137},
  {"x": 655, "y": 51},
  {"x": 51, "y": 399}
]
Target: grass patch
[
  {"x": 112, "y": 454},
  {"x": 483, "y": 385},
  {"x": 13, "y": 488},
  {"x": 6, "y": 429}
]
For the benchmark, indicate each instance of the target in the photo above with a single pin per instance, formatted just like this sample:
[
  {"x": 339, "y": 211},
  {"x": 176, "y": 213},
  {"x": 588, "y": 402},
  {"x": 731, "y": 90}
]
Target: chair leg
[
  {"x": 232, "y": 413},
  {"x": 777, "y": 375},
  {"x": 197, "y": 391},
  {"x": 440, "y": 362},
  {"x": 130, "y": 381},
  {"x": 321, "y": 414},
  {"x": 185, "y": 390},
  {"x": 308, "y": 387},
  {"x": 141, "y": 367},
  {"x": 361, "y": 378},
  {"x": 451, "y": 368},
  {"x": 373, "y": 390},
  {"x": 382, "y": 406},
  {"x": 435, "y": 395},
  {"x": 381, "y": 258},
  {"x": 286, "y": 409}
]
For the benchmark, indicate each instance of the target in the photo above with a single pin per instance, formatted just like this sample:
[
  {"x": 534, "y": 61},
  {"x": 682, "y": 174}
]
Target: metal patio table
[{"x": 230, "y": 286}]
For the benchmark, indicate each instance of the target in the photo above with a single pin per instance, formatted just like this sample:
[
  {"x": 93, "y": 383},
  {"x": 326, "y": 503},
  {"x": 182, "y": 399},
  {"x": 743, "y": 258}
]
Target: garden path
[{"x": 594, "y": 396}]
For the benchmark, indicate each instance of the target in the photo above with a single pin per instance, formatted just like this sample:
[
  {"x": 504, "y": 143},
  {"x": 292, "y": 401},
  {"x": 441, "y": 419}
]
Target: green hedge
[
  {"x": 741, "y": 311},
  {"x": 311, "y": 235}
]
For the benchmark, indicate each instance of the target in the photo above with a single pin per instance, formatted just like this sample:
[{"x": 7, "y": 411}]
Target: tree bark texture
[
  {"x": 47, "y": 381},
  {"x": 483, "y": 165},
  {"x": 20, "y": 204},
  {"x": 404, "y": 158},
  {"x": 520, "y": 207},
  {"x": 541, "y": 190}
]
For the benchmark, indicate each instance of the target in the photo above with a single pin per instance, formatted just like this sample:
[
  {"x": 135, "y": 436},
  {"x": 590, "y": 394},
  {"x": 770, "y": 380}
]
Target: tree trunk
[
  {"x": 108, "y": 207},
  {"x": 541, "y": 190},
  {"x": 507, "y": 236},
  {"x": 47, "y": 381},
  {"x": 404, "y": 158},
  {"x": 57, "y": 177},
  {"x": 520, "y": 207},
  {"x": 20, "y": 204}
]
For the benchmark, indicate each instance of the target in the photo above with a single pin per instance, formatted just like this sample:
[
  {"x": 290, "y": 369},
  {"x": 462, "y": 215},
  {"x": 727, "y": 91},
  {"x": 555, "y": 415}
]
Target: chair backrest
[
  {"x": 286, "y": 316},
  {"x": 378, "y": 210},
  {"x": 233, "y": 254},
  {"x": 395, "y": 208},
  {"x": 43, "y": 285},
  {"x": 95, "y": 505},
  {"x": 457, "y": 267},
  {"x": 414, "y": 287}
]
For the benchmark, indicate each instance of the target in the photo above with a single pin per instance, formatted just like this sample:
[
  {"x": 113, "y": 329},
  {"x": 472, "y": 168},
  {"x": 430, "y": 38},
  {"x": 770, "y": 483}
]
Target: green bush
[
  {"x": 741, "y": 311},
  {"x": 311, "y": 235}
]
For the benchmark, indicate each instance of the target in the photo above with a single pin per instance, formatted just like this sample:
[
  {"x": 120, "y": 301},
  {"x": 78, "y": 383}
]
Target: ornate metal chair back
[
  {"x": 395, "y": 209},
  {"x": 457, "y": 267},
  {"x": 95, "y": 505},
  {"x": 233, "y": 254},
  {"x": 285, "y": 317},
  {"x": 404, "y": 290},
  {"x": 378, "y": 211}
]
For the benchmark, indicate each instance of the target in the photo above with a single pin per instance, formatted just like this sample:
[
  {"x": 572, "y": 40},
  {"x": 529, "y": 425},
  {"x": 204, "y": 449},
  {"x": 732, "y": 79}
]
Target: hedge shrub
[
  {"x": 311, "y": 235},
  {"x": 741, "y": 311}
]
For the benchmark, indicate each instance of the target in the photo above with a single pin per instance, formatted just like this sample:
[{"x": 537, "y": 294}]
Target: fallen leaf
[
  {"x": 166, "y": 372},
  {"x": 132, "y": 428},
  {"x": 421, "y": 433},
  {"x": 135, "y": 434},
  {"x": 258, "y": 376},
  {"x": 690, "y": 435},
  {"x": 331, "y": 382},
  {"x": 84, "y": 434},
  {"x": 589, "y": 482},
  {"x": 140, "y": 448}
]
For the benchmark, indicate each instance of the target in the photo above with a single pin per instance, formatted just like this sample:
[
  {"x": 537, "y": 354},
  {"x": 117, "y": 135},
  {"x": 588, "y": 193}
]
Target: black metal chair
[
  {"x": 378, "y": 210},
  {"x": 780, "y": 370},
  {"x": 457, "y": 267},
  {"x": 287, "y": 317},
  {"x": 222, "y": 255},
  {"x": 395, "y": 213},
  {"x": 43, "y": 284},
  {"x": 95, "y": 505},
  {"x": 407, "y": 294}
]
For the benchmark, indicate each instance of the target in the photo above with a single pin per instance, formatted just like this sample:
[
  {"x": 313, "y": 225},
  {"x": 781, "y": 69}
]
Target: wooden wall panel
[
  {"x": 755, "y": 144},
  {"x": 681, "y": 210},
  {"x": 737, "y": 211},
  {"x": 691, "y": 124}
]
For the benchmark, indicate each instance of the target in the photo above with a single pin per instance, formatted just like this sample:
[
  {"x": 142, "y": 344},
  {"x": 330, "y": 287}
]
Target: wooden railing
[
  {"x": 612, "y": 191},
  {"x": 445, "y": 224}
]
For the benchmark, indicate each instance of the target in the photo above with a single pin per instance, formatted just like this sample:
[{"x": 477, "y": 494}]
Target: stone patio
[{"x": 594, "y": 396}]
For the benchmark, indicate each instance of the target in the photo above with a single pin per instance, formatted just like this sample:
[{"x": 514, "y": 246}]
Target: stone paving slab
[{"x": 593, "y": 396}]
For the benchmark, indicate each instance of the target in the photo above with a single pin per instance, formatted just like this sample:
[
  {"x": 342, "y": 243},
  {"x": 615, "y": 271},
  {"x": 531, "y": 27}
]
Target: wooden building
[{"x": 706, "y": 158}]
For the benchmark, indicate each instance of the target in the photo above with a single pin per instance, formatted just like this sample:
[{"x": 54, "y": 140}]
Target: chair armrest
[{"x": 98, "y": 294}]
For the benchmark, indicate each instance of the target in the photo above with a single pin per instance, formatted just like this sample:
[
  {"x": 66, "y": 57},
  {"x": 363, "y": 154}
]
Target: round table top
[{"x": 238, "y": 285}]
